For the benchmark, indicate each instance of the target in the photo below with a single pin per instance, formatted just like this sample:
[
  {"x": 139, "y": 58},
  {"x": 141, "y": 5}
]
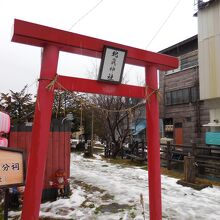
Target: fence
[{"x": 207, "y": 158}]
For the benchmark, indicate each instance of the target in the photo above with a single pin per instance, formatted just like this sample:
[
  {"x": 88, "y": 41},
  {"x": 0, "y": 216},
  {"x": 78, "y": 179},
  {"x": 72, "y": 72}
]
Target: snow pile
[{"x": 105, "y": 191}]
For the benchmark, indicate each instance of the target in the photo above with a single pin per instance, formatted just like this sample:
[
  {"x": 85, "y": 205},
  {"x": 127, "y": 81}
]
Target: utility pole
[{"x": 92, "y": 135}]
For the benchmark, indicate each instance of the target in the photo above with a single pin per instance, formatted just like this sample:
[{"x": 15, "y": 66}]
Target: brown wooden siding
[{"x": 192, "y": 115}]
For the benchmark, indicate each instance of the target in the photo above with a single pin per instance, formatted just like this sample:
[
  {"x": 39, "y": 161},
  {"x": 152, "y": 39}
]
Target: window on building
[
  {"x": 194, "y": 94},
  {"x": 174, "y": 98},
  {"x": 168, "y": 98},
  {"x": 184, "y": 63},
  {"x": 185, "y": 95},
  {"x": 188, "y": 62},
  {"x": 182, "y": 96}
]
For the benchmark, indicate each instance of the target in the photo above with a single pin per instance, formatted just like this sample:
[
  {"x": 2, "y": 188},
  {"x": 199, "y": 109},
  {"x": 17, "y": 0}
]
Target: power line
[
  {"x": 33, "y": 83},
  {"x": 86, "y": 14},
  {"x": 158, "y": 31},
  {"x": 162, "y": 25}
]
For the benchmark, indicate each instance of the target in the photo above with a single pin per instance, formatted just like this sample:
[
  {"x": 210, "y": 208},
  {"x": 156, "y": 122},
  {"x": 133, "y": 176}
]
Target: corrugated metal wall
[
  {"x": 209, "y": 51},
  {"x": 58, "y": 156}
]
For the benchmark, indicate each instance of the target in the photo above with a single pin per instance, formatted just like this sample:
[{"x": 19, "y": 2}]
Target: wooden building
[{"x": 181, "y": 110}]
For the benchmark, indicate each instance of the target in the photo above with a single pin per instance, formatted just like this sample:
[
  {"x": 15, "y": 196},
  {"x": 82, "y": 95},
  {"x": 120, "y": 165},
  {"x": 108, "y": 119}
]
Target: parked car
[{"x": 74, "y": 142}]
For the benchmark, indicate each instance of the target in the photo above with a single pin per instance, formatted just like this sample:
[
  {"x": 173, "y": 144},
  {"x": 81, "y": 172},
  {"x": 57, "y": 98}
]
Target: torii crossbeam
[{"x": 55, "y": 40}]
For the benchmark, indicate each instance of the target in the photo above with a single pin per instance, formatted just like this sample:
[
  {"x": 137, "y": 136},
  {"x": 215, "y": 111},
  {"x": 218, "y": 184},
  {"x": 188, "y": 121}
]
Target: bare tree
[
  {"x": 69, "y": 102},
  {"x": 117, "y": 113}
]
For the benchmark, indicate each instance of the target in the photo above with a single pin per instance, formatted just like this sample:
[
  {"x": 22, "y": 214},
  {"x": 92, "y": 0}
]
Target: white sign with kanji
[
  {"x": 11, "y": 167},
  {"x": 112, "y": 65}
]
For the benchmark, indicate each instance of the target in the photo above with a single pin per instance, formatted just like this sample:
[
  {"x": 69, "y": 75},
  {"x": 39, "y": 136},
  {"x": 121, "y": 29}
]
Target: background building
[
  {"x": 182, "y": 112},
  {"x": 209, "y": 63}
]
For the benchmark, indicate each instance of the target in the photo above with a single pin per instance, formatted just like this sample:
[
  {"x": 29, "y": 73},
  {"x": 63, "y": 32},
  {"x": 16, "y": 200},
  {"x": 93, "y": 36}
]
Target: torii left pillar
[{"x": 41, "y": 132}]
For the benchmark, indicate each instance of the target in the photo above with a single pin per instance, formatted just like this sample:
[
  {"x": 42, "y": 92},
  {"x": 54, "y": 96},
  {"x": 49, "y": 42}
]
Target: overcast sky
[{"x": 147, "y": 24}]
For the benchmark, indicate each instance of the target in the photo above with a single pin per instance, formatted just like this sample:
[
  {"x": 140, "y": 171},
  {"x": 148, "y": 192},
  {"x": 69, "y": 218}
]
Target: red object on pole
[
  {"x": 40, "y": 135},
  {"x": 153, "y": 150}
]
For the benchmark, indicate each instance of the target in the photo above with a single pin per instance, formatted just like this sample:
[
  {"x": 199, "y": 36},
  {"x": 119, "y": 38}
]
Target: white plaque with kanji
[
  {"x": 11, "y": 167},
  {"x": 112, "y": 65}
]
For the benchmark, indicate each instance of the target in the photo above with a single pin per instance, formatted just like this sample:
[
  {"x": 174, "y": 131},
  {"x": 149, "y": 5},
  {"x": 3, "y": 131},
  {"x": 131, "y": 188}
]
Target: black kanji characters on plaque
[
  {"x": 115, "y": 53},
  {"x": 113, "y": 65},
  {"x": 15, "y": 166},
  {"x": 7, "y": 166},
  {"x": 110, "y": 76}
]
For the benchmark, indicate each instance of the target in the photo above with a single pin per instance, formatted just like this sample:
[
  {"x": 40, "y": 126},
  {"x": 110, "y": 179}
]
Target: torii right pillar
[{"x": 153, "y": 137}]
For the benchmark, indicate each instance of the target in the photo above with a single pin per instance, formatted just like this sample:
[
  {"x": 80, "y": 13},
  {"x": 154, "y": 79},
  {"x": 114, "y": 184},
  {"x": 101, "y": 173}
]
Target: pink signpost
[
  {"x": 4, "y": 128},
  {"x": 53, "y": 41}
]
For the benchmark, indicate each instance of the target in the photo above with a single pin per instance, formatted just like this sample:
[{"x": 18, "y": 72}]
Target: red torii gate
[{"x": 53, "y": 41}]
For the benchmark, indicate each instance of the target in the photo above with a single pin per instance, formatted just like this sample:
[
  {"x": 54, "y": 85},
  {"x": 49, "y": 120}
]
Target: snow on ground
[{"x": 105, "y": 191}]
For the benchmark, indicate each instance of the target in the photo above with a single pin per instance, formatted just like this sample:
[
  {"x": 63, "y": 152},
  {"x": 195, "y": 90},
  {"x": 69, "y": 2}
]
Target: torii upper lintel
[{"x": 39, "y": 35}]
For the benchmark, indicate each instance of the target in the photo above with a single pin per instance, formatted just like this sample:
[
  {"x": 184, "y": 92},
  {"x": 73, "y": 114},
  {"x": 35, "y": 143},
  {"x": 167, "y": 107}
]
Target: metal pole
[
  {"x": 153, "y": 140},
  {"x": 92, "y": 132},
  {"x": 40, "y": 135},
  {"x": 81, "y": 112},
  {"x": 6, "y": 204}
]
